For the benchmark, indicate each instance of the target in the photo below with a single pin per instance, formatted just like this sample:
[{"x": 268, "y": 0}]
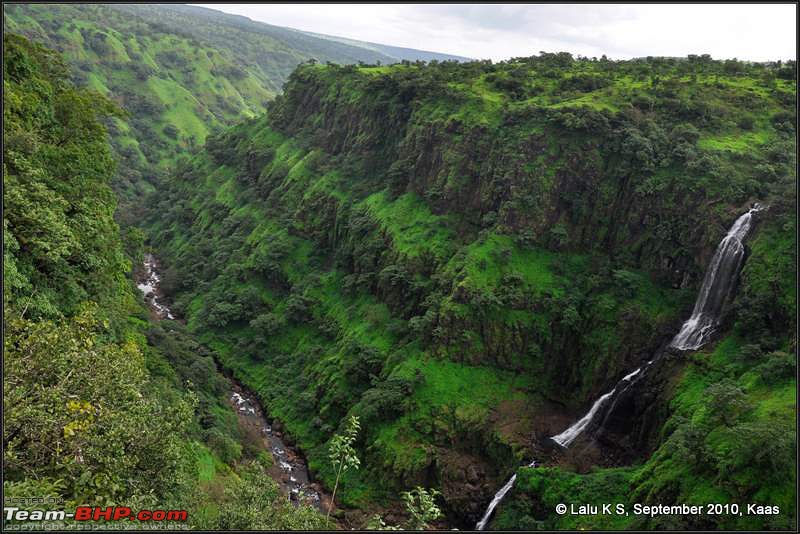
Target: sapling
[{"x": 343, "y": 455}]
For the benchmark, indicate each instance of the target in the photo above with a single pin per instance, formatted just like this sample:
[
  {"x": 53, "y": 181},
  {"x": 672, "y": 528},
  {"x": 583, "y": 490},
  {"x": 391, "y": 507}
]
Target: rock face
[
  {"x": 593, "y": 187},
  {"x": 631, "y": 426},
  {"x": 467, "y": 484}
]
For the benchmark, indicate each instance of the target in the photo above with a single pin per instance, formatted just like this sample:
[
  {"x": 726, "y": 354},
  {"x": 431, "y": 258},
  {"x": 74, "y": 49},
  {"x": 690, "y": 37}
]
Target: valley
[
  {"x": 292, "y": 281},
  {"x": 288, "y": 468},
  {"x": 321, "y": 259}
]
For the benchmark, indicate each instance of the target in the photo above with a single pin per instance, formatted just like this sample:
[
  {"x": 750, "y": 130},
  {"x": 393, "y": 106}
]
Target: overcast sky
[{"x": 755, "y": 32}]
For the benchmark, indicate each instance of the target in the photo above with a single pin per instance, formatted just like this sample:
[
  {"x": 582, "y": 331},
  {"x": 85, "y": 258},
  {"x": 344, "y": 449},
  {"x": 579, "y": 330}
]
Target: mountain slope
[
  {"x": 181, "y": 72},
  {"x": 102, "y": 404},
  {"x": 464, "y": 255},
  {"x": 398, "y": 53}
]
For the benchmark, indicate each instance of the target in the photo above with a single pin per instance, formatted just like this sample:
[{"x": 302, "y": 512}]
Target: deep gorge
[
  {"x": 351, "y": 208},
  {"x": 465, "y": 255}
]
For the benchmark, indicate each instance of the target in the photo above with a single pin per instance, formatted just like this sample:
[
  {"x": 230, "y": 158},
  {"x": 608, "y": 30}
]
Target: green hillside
[
  {"x": 180, "y": 72},
  {"x": 101, "y": 404},
  {"x": 465, "y": 255}
]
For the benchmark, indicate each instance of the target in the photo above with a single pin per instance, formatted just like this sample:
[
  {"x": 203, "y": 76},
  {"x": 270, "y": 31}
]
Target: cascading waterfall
[
  {"x": 497, "y": 498},
  {"x": 568, "y": 436},
  {"x": 717, "y": 285}
]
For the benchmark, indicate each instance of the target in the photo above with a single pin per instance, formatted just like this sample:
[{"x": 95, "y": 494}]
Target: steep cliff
[
  {"x": 464, "y": 254},
  {"x": 181, "y": 72}
]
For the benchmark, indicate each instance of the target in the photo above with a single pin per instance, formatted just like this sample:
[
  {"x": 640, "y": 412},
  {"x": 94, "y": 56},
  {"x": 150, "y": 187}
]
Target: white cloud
[{"x": 755, "y": 32}]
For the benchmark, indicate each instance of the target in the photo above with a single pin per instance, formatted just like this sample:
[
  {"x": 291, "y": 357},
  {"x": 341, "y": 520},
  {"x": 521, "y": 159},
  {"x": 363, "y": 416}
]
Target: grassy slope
[
  {"x": 184, "y": 85},
  {"x": 189, "y": 68}
]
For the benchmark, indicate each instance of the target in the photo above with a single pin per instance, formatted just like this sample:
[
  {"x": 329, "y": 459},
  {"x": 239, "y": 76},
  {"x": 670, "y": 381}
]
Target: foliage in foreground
[
  {"x": 342, "y": 455},
  {"x": 102, "y": 406},
  {"x": 420, "y": 506}
]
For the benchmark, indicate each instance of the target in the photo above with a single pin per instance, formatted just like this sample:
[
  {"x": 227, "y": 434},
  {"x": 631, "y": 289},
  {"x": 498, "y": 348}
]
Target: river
[{"x": 289, "y": 468}]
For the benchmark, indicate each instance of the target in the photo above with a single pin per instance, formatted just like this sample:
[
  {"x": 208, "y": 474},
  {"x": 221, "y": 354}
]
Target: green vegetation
[
  {"x": 252, "y": 501},
  {"x": 420, "y": 505},
  {"x": 181, "y": 73},
  {"x": 75, "y": 386},
  {"x": 730, "y": 439},
  {"x": 102, "y": 406},
  {"x": 445, "y": 250},
  {"x": 343, "y": 455},
  {"x": 459, "y": 256},
  {"x": 731, "y": 435}
]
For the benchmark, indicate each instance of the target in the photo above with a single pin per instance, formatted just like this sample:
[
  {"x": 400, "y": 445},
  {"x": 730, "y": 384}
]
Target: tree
[
  {"x": 62, "y": 241},
  {"x": 376, "y": 522},
  {"x": 726, "y": 401},
  {"x": 267, "y": 324},
  {"x": 768, "y": 447},
  {"x": 420, "y": 506},
  {"x": 253, "y": 502},
  {"x": 74, "y": 402},
  {"x": 343, "y": 455}
]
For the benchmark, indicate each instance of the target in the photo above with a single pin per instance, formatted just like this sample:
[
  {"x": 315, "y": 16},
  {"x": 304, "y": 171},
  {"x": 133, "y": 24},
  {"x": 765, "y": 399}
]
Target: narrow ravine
[
  {"x": 289, "y": 468},
  {"x": 148, "y": 282},
  {"x": 718, "y": 284}
]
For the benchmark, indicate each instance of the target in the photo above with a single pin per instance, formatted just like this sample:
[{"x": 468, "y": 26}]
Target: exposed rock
[{"x": 467, "y": 483}]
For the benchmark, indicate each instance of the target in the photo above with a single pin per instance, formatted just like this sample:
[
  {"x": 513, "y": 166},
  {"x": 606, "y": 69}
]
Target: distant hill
[
  {"x": 181, "y": 71},
  {"x": 398, "y": 53}
]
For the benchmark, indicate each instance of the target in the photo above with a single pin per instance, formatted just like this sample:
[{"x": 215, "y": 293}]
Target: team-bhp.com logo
[{"x": 94, "y": 513}]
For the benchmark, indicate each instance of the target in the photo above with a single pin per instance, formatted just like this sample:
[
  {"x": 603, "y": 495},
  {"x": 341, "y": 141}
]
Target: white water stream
[
  {"x": 717, "y": 285},
  {"x": 149, "y": 286},
  {"x": 497, "y": 498},
  {"x": 289, "y": 469}
]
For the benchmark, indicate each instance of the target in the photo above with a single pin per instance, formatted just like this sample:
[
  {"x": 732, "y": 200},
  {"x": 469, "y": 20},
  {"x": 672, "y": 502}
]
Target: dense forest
[
  {"x": 423, "y": 270},
  {"x": 102, "y": 405},
  {"x": 464, "y": 255}
]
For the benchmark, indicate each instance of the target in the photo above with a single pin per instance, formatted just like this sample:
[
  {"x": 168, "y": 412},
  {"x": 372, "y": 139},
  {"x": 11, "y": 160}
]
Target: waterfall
[
  {"x": 717, "y": 285},
  {"x": 569, "y": 435},
  {"x": 497, "y": 498}
]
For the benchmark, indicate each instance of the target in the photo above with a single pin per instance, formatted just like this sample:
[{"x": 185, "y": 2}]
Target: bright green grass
[
  {"x": 487, "y": 261},
  {"x": 363, "y": 318},
  {"x": 595, "y": 100},
  {"x": 410, "y": 223},
  {"x": 774, "y": 252},
  {"x": 451, "y": 383},
  {"x": 739, "y": 142},
  {"x": 205, "y": 462},
  {"x": 226, "y": 193},
  {"x": 181, "y": 106}
]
